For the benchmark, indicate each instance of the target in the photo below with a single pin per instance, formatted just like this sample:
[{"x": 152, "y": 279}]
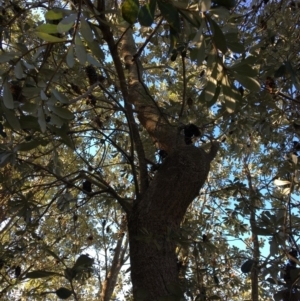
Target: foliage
[{"x": 68, "y": 158}]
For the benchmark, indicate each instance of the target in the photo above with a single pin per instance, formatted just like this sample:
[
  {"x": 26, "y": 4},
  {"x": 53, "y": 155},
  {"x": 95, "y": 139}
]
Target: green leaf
[
  {"x": 62, "y": 133},
  {"x": 236, "y": 47},
  {"x": 7, "y": 96},
  {"x": 215, "y": 98},
  {"x": 293, "y": 73},
  {"x": 274, "y": 246},
  {"x": 49, "y": 38},
  {"x": 27, "y": 146},
  {"x": 54, "y": 14},
  {"x": 93, "y": 61},
  {"x": 42, "y": 120},
  {"x": 192, "y": 17},
  {"x": 243, "y": 69},
  {"x": 51, "y": 253},
  {"x": 173, "y": 42},
  {"x": 146, "y": 13},
  {"x": 12, "y": 120},
  {"x": 70, "y": 57},
  {"x": 210, "y": 89},
  {"x": 63, "y": 293},
  {"x": 199, "y": 46},
  {"x": 85, "y": 30},
  {"x": 80, "y": 50},
  {"x": 96, "y": 50},
  {"x": 60, "y": 96},
  {"x": 6, "y": 57},
  {"x": 170, "y": 13},
  {"x": 31, "y": 91},
  {"x": 247, "y": 266},
  {"x": 62, "y": 112},
  {"x": 47, "y": 28},
  {"x": 29, "y": 122},
  {"x": 40, "y": 274},
  {"x": 218, "y": 36},
  {"x": 233, "y": 43},
  {"x": 66, "y": 24},
  {"x": 280, "y": 71},
  {"x": 18, "y": 70},
  {"x": 6, "y": 157},
  {"x": 229, "y": 95},
  {"x": 248, "y": 82},
  {"x": 130, "y": 10}
]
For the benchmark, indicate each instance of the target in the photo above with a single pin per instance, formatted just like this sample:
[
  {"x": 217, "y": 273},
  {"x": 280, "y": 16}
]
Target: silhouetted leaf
[
  {"x": 247, "y": 266},
  {"x": 170, "y": 13},
  {"x": 12, "y": 119},
  {"x": 7, "y": 96},
  {"x": 40, "y": 274},
  {"x": 218, "y": 36},
  {"x": 62, "y": 112},
  {"x": 63, "y": 293},
  {"x": 146, "y": 13},
  {"x": 80, "y": 50},
  {"x": 67, "y": 23},
  {"x": 49, "y": 38},
  {"x": 248, "y": 82},
  {"x": 192, "y": 17},
  {"x": 230, "y": 96},
  {"x": 84, "y": 260},
  {"x": 70, "y": 57},
  {"x": 85, "y": 30}
]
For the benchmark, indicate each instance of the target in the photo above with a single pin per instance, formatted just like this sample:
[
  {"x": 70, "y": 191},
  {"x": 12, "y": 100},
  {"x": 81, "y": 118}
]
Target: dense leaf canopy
[{"x": 72, "y": 146}]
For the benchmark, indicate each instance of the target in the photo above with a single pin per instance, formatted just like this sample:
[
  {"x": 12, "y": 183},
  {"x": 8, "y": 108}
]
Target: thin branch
[
  {"x": 139, "y": 52},
  {"x": 184, "y": 85}
]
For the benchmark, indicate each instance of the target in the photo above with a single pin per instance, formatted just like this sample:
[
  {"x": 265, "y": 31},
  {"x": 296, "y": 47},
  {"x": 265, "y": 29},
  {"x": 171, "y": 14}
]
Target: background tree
[{"x": 111, "y": 115}]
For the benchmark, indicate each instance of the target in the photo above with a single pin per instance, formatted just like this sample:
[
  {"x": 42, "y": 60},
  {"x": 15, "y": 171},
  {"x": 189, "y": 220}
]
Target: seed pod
[{"x": 91, "y": 74}]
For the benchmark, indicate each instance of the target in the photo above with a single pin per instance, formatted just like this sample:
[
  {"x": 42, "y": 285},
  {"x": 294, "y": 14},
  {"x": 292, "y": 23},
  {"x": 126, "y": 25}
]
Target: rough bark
[{"x": 157, "y": 217}]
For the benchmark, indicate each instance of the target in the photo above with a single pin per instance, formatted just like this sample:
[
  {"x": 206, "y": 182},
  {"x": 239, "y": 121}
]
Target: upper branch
[{"x": 163, "y": 134}]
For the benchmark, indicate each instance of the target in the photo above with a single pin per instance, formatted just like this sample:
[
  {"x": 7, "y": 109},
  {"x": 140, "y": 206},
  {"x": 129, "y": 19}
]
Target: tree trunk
[
  {"x": 155, "y": 221},
  {"x": 154, "y": 218}
]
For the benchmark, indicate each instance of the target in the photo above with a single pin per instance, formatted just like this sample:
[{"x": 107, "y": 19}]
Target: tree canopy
[{"x": 149, "y": 150}]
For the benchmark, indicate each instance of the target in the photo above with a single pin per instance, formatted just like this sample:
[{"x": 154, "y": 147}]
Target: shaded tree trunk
[
  {"x": 155, "y": 221},
  {"x": 159, "y": 207}
]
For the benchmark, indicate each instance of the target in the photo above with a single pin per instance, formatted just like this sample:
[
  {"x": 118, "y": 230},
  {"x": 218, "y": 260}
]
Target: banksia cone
[
  {"x": 91, "y": 74},
  {"x": 75, "y": 88}
]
